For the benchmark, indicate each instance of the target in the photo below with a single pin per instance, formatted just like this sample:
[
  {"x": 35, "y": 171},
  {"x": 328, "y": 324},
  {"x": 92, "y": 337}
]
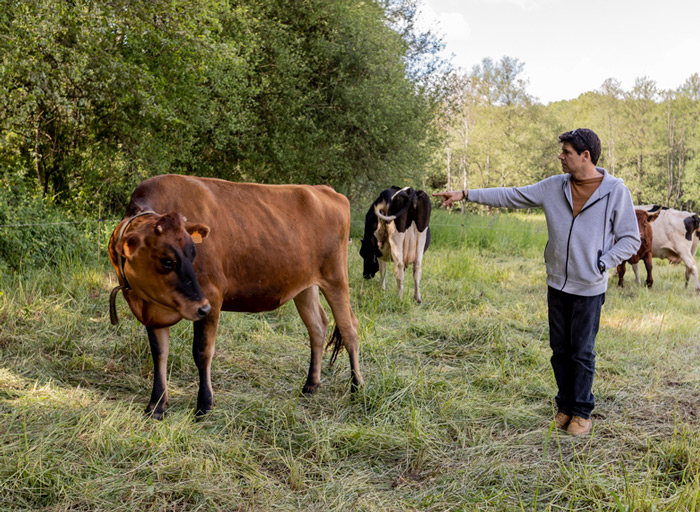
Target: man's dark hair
[{"x": 583, "y": 139}]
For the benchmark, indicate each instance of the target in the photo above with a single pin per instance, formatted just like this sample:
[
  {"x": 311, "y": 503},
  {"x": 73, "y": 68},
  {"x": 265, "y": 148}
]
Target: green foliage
[
  {"x": 35, "y": 233},
  {"x": 497, "y": 135},
  {"x": 98, "y": 96}
]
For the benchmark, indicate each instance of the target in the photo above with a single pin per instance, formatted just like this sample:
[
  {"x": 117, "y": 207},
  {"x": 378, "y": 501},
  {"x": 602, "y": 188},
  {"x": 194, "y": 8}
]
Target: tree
[
  {"x": 642, "y": 117},
  {"x": 610, "y": 105},
  {"x": 98, "y": 96},
  {"x": 682, "y": 113},
  {"x": 495, "y": 135}
]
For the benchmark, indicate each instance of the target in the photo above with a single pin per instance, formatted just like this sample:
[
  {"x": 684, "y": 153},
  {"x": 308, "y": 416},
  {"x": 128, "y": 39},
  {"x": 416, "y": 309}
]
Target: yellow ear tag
[{"x": 196, "y": 237}]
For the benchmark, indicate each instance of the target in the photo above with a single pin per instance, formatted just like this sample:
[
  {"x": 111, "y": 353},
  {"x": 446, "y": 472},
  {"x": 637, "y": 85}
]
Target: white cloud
[
  {"x": 527, "y": 5},
  {"x": 624, "y": 40},
  {"x": 455, "y": 27}
]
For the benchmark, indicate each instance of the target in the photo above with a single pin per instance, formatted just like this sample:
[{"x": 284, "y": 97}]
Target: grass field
[{"x": 456, "y": 412}]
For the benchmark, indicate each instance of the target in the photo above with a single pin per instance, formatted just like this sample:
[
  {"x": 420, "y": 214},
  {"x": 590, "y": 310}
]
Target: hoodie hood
[{"x": 606, "y": 187}]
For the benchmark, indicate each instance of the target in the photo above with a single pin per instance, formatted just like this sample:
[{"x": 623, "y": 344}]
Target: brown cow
[
  {"x": 257, "y": 247},
  {"x": 644, "y": 220}
]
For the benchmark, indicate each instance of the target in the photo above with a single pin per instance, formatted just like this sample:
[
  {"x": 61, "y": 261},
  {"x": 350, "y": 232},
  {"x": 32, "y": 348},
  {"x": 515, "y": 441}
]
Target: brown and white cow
[
  {"x": 396, "y": 229},
  {"x": 676, "y": 239},
  {"x": 644, "y": 220},
  {"x": 193, "y": 247}
]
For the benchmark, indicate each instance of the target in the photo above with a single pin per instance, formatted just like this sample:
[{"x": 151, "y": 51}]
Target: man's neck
[{"x": 589, "y": 173}]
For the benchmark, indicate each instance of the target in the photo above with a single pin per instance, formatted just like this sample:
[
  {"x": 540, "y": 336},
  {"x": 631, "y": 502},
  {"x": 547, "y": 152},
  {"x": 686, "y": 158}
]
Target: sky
[{"x": 571, "y": 47}]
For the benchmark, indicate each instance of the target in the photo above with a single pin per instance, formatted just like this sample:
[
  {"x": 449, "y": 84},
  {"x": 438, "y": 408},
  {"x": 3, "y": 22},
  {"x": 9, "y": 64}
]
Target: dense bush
[
  {"x": 34, "y": 232},
  {"x": 97, "y": 96}
]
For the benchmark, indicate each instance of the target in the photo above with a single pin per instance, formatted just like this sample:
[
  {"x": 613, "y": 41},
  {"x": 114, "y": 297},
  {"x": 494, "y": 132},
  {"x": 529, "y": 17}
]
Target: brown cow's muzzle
[
  {"x": 203, "y": 311},
  {"x": 195, "y": 310}
]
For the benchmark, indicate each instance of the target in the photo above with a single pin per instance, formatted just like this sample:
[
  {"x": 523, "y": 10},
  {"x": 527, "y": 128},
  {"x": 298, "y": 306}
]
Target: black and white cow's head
[
  {"x": 692, "y": 224},
  {"x": 369, "y": 249}
]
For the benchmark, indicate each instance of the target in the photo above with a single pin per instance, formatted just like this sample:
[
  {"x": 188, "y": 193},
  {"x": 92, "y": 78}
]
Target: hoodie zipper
[
  {"x": 568, "y": 244},
  {"x": 571, "y": 230}
]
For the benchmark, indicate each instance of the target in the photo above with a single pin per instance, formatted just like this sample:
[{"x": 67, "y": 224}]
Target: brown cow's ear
[
  {"x": 652, "y": 218},
  {"x": 197, "y": 231},
  {"x": 130, "y": 245}
]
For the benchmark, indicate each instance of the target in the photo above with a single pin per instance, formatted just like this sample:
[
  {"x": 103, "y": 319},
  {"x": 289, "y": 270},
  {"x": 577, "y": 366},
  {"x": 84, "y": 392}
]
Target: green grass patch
[{"x": 456, "y": 413}]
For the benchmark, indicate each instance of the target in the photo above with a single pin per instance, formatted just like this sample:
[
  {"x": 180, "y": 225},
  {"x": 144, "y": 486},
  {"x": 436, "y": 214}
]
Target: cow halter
[{"x": 121, "y": 275}]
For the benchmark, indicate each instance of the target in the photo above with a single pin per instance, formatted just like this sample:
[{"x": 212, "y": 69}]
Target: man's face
[{"x": 571, "y": 162}]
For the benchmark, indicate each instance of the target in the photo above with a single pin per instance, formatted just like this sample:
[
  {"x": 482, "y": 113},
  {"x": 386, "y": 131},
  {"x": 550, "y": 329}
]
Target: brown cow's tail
[{"x": 337, "y": 341}]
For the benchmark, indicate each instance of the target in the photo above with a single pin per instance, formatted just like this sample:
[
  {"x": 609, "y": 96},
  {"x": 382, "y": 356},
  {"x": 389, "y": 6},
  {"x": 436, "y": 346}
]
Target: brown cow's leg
[
  {"x": 316, "y": 322},
  {"x": 621, "y": 274},
  {"x": 338, "y": 298},
  {"x": 203, "y": 352},
  {"x": 647, "y": 264},
  {"x": 159, "y": 339}
]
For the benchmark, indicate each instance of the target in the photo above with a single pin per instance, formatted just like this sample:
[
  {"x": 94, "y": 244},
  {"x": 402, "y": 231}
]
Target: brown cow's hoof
[
  {"x": 309, "y": 389},
  {"x": 156, "y": 414},
  {"x": 356, "y": 386},
  {"x": 199, "y": 414}
]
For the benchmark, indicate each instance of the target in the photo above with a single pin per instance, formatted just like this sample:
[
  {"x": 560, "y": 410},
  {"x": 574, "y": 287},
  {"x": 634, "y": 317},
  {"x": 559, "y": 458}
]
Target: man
[{"x": 591, "y": 227}]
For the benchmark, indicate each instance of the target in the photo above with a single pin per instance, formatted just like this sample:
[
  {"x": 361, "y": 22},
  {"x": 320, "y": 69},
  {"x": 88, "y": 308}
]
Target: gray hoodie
[{"x": 605, "y": 228}]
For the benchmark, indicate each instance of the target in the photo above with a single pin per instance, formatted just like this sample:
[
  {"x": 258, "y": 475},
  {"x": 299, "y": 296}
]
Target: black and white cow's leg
[
  {"x": 417, "y": 272},
  {"x": 382, "y": 273},
  {"x": 399, "y": 273},
  {"x": 314, "y": 317},
  {"x": 397, "y": 240},
  {"x": 691, "y": 270},
  {"x": 203, "y": 352},
  {"x": 159, "y": 339},
  {"x": 635, "y": 267},
  {"x": 418, "y": 265}
]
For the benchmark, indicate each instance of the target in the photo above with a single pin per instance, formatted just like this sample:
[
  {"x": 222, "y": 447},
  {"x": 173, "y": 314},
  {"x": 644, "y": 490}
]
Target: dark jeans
[{"x": 573, "y": 325}]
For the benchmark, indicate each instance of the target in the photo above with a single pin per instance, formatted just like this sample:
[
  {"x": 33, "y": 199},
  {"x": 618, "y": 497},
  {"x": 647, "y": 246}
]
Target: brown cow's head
[
  {"x": 158, "y": 263},
  {"x": 644, "y": 219},
  {"x": 643, "y": 216}
]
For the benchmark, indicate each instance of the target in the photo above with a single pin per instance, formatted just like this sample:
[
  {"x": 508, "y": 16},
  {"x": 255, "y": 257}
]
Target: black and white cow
[
  {"x": 396, "y": 229},
  {"x": 675, "y": 237}
]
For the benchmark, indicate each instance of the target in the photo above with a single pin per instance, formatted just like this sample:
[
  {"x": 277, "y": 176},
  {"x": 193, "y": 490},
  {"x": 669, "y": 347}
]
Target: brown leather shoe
[
  {"x": 579, "y": 426},
  {"x": 561, "y": 420}
]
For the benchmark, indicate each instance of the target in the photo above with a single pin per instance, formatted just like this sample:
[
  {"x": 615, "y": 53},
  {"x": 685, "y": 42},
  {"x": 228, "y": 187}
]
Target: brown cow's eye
[{"x": 167, "y": 263}]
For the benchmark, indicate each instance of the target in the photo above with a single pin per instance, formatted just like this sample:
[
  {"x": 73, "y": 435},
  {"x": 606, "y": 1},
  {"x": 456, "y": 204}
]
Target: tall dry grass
[{"x": 456, "y": 413}]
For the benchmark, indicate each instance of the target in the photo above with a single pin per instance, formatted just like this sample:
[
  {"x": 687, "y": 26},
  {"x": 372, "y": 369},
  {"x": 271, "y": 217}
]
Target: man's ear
[
  {"x": 130, "y": 245},
  {"x": 197, "y": 231}
]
